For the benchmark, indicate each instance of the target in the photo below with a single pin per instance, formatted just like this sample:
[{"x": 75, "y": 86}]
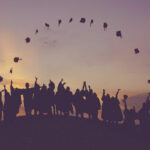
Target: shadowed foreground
[{"x": 68, "y": 134}]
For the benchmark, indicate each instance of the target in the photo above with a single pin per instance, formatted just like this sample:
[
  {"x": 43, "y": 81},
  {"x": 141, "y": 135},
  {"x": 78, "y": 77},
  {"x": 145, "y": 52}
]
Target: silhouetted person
[
  {"x": 36, "y": 97},
  {"x": 85, "y": 100},
  {"x": 44, "y": 102},
  {"x": 95, "y": 106},
  {"x": 129, "y": 115},
  {"x": 7, "y": 105},
  {"x": 144, "y": 116},
  {"x": 106, "y": 106},
  {"x": 51, "y": 98},
  {"x": 116, "y": 113},
  {"x": 78, "y": 102},
  {"x": 27, "y": 95},
  {"x": 60, "y": 97},
  {"x": 67, "y": 102},
  {"x": 15, "y": 100},
  {"x": 1, "y": 105},
  {"x": 89, "y": 105}
]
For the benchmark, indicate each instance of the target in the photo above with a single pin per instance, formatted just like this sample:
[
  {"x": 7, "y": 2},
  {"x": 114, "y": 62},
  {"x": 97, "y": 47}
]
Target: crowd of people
[{"x": 43, "y": 100}]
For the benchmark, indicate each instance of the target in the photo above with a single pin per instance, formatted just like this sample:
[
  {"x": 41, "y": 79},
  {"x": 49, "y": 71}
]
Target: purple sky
[{"x": 75, "y": 51}]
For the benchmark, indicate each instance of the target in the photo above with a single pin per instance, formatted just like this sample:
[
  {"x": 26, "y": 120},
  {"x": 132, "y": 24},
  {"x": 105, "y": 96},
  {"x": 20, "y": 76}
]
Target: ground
[{"x": 60, "y": 133}]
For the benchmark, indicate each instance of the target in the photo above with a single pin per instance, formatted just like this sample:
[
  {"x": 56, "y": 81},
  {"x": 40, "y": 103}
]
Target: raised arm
[
  {"x": 103, "y": 95},
  {"x": 148, "y": 97},
  {"x": 11, "y": 87},
  {"x": 89, "y": 87},
  {"x": 117, "y": 93},
  {"x": 125, "y": 102},
  {"x": 84, "y": 87},
  {"x": 35, "y": 83},
  {"x": 5, "y": 90}
]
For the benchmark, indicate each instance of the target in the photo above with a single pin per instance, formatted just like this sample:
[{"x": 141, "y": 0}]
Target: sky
[{"x": 76, "y": 52}]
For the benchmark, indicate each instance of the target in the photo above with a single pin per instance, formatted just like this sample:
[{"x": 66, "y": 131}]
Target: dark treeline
[{"x": 43, "y": 100}]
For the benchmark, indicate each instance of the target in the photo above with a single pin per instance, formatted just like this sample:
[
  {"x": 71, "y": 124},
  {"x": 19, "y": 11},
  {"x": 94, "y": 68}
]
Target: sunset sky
[{"x": 75, "y": 51}]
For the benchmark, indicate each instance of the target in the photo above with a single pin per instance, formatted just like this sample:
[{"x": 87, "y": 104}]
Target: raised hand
[
  {"x": 36, "y": 78},
  {"x": 89, "y": 87}
]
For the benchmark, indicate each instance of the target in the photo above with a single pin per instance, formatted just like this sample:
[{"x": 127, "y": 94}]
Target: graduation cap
[
  {"x": 47, "y": 25},
  {"x": 1, "y": 78},
  {"x": 36, "y": 31},
  {"x": 82, "y": 20},
  {"x": 59, "y": 22},
  {"x": 11, "y": 70},
  {"x": 92, "y": 21},
  {"x": 105, "y": 25},
  {"x": 119, "y": 34},
  {"x": 16, "y": 59},
  {"x": 136, "y": 51},
  {"x": 27, "y": 40},
  {"x": 71, "y": 19},
  {"x": 148, "y": 81}
]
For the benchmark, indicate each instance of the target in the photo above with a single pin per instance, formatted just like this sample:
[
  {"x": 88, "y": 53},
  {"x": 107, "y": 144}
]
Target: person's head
[
  {"x": 91, "y": 91},
  {"x": 27, "y": 85},
  {"x": 77, "y": 91},
  {"x": 112, "y": 98},
  {"x": 125, "y": 97},
  {"x": 68, "y": 88},
  {"x": 51, "y": 85},
  {"x": 94, "y": 94},
  {"x": 44, "y": 87},
  {"x": 108, "y": 96}
]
